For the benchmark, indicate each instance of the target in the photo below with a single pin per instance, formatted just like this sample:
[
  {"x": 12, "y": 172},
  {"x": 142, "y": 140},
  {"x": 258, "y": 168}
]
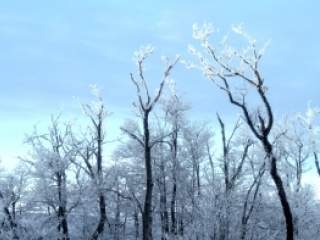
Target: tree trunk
[
  {"x": 181, "y": 223},
  {"x": 281, "y": 192},
  {"x": 63, "y": 224},
  {"x": 101, "y": 198},
  {"x": 198, "y": 179},
  {"x": 174, "y": 182},
  {"x": 316, "y": 161},
  {"x": 136, "y": 224},
  {"x": 173, "y": 208},
  {"x": 62, "y": 208},
  {"x": 147, "y": 218},
  {"x": 164, "y": 217},
  {"x": 117, "y": 224},
  {"x": 103, "y": 218}
]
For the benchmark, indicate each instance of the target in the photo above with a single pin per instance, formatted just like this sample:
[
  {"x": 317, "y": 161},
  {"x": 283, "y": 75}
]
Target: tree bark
[
  {"x": 280, "y": 188},
  {"x": 316, "y": 161},
  {"x": 62, "y": 208},
  {"x": 164, "y": 216},
  {"x": 12, "y": 223},
  {"x": 136, "y": 224},
  {"x": 99, "y": 180},
  {"x": 147, "y": 218},
  {"x": 174, "y": 182}
]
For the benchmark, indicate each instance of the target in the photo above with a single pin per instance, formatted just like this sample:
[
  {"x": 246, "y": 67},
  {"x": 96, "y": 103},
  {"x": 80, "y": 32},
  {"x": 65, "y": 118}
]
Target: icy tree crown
[{"x": 142, "y": 53}]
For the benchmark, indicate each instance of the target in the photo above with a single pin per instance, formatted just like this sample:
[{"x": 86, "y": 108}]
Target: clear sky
[{"x": 51, "y": 51}]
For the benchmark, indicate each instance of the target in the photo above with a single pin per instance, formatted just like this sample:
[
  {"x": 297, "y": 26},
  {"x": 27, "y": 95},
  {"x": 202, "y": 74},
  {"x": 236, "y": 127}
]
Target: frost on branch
[
  {"x": 96, "y": 108},
  {"x": 203, "y": 32},
  {"x": 309, "y": 120},
  {"x": 146, "y": 101},
  {"x": 233, "y": 60},
  {"x": 234, "y": 70},
  {"x": 142, "y": 53}
]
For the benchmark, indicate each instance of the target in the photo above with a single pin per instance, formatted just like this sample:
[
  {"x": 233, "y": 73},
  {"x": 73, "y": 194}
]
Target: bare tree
[
  {"x": 233, "y": 66},
  {"x": 13, "y": 188},
  {"x": 174, "y": 110},
  {"x": 308, "y": 120},
  {"x": 90, "y": 153},
  {"x": 145, "y": 106},
  {"x": 9, "y": 217},
  {"x": 230, "y": 176},
  {"x": 52, "y": 158},
  {"x": 250, "y": 199}
]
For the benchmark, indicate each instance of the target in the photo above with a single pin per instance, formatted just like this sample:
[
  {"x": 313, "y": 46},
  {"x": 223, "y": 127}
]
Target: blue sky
[{"x": 51, "y": 51}]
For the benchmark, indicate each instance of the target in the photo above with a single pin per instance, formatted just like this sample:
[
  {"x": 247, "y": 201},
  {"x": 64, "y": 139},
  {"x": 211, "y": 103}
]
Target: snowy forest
[{"x": 168, "y": 176}]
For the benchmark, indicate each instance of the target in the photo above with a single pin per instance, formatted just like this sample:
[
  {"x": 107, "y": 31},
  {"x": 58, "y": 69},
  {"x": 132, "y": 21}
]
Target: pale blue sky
[{"x": 51, "y": 51}]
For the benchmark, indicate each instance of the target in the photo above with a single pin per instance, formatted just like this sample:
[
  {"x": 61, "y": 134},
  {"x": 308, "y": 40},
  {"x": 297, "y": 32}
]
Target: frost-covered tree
[
  {"x": 236, "y": 71},
  {"x": 174, "y": 110},
  {"x": 12, "y": 193},
  {"x": 145, "y": 105},
  {"x": 310, "y": 121},
  {"x": 231, "y": 173},
  {"x": 50, "y": 160},
  {"x": 90, "y": 158}
]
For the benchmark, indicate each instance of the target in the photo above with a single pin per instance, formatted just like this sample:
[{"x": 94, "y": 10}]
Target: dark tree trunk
[
  {"x": 62, "y": 211},
  {"x": 316, "y": 161},
  {"x": 117, "y": 226},
  {"x": 136, "y": 224},
  {"x": 281, "y": 192},
  {"x": 283, "y": 198},
  {"x": 63, "y": 223},
  {"x": 99, "y": 178},
  {"x": 13, "y": 206},
  {"x": 198, "y": 179},
  {"x": 181, "y": 223},
  {"x": 173, "y": 207},
  {"x": 102, "y": 220},
  {"x": 164, "y": 216},
  {"x": 147, "y": 218},
  {"x": 174, "y": 181}
]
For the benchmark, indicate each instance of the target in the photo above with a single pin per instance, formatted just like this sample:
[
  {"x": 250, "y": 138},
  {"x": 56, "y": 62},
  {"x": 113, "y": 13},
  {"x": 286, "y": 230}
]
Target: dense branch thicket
[{"x": 171, "y": 177}]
